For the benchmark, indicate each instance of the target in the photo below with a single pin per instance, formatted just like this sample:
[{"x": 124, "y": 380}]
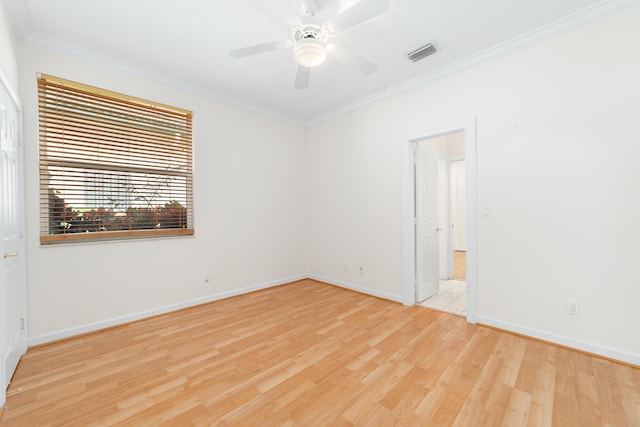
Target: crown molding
[
  {"x": 48, "y": 43},
  {"x": 20, "y": 20},
  {"x": 599, "y": 10}
]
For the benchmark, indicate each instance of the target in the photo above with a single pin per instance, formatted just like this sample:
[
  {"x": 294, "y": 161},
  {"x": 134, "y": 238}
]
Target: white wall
[
  {"x": 249, "y": 213},
  {"x": 270, "y": 207},
  {"x": 557, "y": 148}
]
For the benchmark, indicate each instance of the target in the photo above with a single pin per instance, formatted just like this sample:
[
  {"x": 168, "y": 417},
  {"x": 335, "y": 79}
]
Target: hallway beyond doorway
[
  {"x": 451, "y": 298},
  {"x": 452, "y": 294},
  {"x": 460, "y": 265}
]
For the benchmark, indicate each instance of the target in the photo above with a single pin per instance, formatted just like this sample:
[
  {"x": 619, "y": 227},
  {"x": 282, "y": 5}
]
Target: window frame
[{"x": 147, "y": 145}]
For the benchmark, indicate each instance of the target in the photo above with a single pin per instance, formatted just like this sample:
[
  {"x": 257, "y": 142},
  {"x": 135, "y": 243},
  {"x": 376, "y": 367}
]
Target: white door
[
  {"x": 427, "y": 227},
  {"x": 12, "y": 273}
]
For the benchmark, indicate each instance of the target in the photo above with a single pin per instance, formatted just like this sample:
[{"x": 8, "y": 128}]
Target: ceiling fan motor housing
[
  {"x": 310, "y": 37},
  {"x": 309, "y": 52},
  {"x": 311, "y": 27}
]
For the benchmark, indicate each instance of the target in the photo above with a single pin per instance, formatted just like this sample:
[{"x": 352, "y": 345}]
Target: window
[{"x": 111, "y": 166}]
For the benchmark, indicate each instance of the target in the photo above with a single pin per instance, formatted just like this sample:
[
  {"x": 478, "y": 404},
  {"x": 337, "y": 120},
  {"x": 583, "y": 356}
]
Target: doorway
[
  {"x": 430, "y": 213},
  {"x": 440, "y": 223}
]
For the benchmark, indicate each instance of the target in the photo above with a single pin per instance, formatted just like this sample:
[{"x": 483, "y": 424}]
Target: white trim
[
  {"x": 563, "y": 340},
  {"x": 507, "y": 326},
  {"x": 96, "y": 326},
  {"x": 42, "y": 41},
  {"x": 360, "y": 289},
  {"x": 452, "y": 209},
  {"x": 408, "y": 208},
  {"x": 471, "y": 191},
  {"x": 14, "y": 97},
  {"x": 19, "y": 18},
  {"x": 599, "y": 10},
  {"x": 17, "y": 105}
]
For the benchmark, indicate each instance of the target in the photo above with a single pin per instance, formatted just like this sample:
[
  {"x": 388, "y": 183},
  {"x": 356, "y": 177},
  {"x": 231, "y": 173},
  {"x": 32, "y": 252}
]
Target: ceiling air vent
[{"x": 422, "y": 52}]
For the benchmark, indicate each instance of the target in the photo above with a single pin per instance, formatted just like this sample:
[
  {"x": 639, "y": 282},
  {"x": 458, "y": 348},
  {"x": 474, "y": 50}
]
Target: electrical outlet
[{"x": 573, "y": 308}]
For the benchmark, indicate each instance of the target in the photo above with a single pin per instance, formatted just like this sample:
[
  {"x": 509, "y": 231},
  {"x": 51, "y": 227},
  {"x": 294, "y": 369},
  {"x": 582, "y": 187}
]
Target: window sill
[{"x": 112, "y": 235}]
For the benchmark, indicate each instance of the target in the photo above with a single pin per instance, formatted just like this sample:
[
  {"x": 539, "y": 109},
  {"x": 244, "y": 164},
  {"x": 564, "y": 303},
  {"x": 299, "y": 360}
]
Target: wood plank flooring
[
  {"x": 310, "y": 354},
  {"x": 460, "y": 265}
]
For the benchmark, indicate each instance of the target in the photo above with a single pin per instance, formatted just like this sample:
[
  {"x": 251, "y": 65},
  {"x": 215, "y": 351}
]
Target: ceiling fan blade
[
  {"x": 271, "y": 15},
  {"x": 357, "y": 14},
  {"x": 302, "y": 77},
  {"x": 259, "y": 48},
  {"x": 351, "y": 59}
]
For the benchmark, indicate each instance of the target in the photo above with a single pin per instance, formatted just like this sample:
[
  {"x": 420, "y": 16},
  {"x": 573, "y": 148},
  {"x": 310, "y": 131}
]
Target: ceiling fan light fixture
[{"x": 309, "y": 52}]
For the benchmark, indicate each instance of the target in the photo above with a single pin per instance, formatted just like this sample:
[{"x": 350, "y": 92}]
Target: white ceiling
[{"x": 188, "y": 41}]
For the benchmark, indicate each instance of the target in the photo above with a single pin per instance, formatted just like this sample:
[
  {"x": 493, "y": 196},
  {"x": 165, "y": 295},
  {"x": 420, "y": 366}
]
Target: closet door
[{"x": 12, "y": 256}]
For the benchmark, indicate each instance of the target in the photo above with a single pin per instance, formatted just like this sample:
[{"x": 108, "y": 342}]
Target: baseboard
[
  {"x": 96, "y": 326},
  {"x": 360, "y": 289},
  {"x": 562, "y": 340}
]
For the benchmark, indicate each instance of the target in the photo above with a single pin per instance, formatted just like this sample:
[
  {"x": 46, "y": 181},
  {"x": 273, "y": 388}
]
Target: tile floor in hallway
[{"x": 451, "y": 298}]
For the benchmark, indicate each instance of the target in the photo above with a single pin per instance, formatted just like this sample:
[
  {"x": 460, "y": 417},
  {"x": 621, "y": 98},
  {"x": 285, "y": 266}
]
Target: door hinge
[{"x": 22, "y": 323}]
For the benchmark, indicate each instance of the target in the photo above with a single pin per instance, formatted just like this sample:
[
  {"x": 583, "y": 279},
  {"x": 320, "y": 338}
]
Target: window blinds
[{"x": 111, "y": 166}]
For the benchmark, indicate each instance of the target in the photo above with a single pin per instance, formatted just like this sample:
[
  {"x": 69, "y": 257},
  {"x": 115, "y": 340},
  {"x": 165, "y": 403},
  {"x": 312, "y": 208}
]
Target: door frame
[
  {"x": 451, "y": 248},
  {"x": 4, "y": 84},
  {"x": 408, "y": 210}
]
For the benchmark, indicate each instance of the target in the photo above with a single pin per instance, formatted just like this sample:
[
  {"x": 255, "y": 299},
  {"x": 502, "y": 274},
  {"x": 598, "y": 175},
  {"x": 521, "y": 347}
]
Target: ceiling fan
[{"x": 310, "y": 38}]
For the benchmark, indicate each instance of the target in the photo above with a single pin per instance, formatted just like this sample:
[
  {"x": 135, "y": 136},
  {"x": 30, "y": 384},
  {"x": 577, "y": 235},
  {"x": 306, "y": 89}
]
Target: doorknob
[
  {"x": 9, "y": 255},
  {"x": 439, "y": 229}
]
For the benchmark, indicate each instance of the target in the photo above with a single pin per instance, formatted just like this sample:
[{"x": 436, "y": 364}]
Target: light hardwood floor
[
  {"x": 310, "y": 354},
  {"x": 460, "y": 265}
]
